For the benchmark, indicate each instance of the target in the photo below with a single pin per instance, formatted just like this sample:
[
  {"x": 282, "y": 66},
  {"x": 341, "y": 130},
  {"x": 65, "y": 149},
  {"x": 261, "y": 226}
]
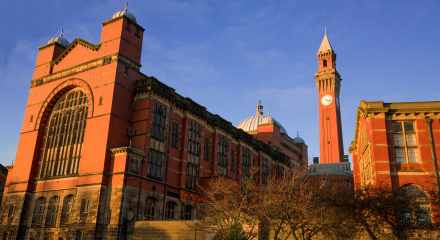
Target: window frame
[
  {"x": 223, "y": 151},
  {"x": 64, "y": 135},
  {"x": 11, "y": 211},
  {"x": 85, "y": 206},
  {"x": 265, "y": 170},
  {"x": 246, "y": 162},
  {"x": 39, "y": 211},
  {"x": 170, "y": 210},
  {"x": 188, "y": 212},
  {"x": 53, "y": 210},
  {"x": 134, "y": 165},
  {"x": 150, "y": 208},
  {"x": 207, "y": 149},
  {"x": 194, "y": 138},
  {"x": 155, "y": 168},
  {"x": 233, "y": 160},
  {"x": 158, "y": 122},
  {"x": 175, "y": 127},
  {"x": 404, "y": 133},
  {"x": 68, "y": 204}
]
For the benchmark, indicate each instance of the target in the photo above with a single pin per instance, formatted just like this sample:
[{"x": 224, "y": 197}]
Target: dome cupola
[
  {"x": 126, "y": 13},
  {"x": 251, "y": 123},
  {"x": 60, "y": 40},
  {"x": 298, "y": 139}
]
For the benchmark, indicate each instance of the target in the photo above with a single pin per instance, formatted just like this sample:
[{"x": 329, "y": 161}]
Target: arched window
[
  {"x": 365, "y": 158},
  {"x": 40, "y": 207},
  {"x": 170, "y": 210},
  {"x": 419, "y": 209},
  {"x": 150, "y": 208},
  {"x": 324, "y": 63},
  {"x": 66, "y": 214},
  {"x": 65, "y": 135},
  {"x": 188, "y": 212},
  {"x": 52, "y": 216}
]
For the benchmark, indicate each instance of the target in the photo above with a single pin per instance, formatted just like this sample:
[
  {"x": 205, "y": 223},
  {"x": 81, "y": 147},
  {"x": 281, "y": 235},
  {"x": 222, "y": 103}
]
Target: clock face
[{"x": 326, "y": 100}]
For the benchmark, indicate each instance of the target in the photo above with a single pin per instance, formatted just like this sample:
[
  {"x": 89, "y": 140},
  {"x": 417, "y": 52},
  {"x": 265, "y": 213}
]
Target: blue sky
[{"x": 226, "y": 55}]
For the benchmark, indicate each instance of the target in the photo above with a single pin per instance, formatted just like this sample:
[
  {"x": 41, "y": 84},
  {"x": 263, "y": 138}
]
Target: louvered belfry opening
[{"x": 65, "y": 135}]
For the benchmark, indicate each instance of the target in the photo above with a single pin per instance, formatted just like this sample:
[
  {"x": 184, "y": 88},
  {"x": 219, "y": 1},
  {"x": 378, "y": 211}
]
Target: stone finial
[
  {"x": 126, "y": 5},
  {"x": 259, "y": 108},
  {"x": 61, "y": 35}
]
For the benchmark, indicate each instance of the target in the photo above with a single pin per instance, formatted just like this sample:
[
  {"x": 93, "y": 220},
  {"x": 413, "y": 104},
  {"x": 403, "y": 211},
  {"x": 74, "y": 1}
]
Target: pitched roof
[{"x": 325, "y": 45}]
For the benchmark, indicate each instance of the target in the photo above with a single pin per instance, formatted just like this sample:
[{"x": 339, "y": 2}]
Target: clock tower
[{"x": 328, "y": 82}]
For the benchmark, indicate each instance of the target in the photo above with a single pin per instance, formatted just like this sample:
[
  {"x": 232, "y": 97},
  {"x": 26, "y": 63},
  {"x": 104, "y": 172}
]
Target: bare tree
[
  {"x": 379, "y": 208},
  {"x": 230, "y": 207}
]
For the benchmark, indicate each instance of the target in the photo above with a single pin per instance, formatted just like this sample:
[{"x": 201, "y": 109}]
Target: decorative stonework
[{"x": 56, "y": 93}]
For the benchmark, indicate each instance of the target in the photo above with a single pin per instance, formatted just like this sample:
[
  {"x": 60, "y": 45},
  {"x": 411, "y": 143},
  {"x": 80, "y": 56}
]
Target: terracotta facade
[
  {"x": 397, "y": 144},
  {"x": 103, "y": 145}
]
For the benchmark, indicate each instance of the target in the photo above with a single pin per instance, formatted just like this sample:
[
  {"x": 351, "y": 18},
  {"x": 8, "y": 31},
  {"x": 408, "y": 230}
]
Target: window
[
  {"x": 40, "y": 207},
  {"x": 128, "y": 26},
  {"x": 52, "y": 213},
  {"x": 169, "y": 211},
  {"x": 158, "y": 125},
  {"x": 85, "y": 205},
  {"x": 188, "y": 212},
  {"x": 245, "y": 162},
  {"x": 265, "y": 170},
  {"x": 192, "y": 174},
  {"x": 65, "y": 135},
  {"x": 175, "y": 135},
  {"x": 255, "y": 165},
  {"x": 155, "y": 165},
  {"x": 134, "y": 165},
  {"x": 365, "y": 159},
  {"x": 405, "y": 142},
  {"x": 233, "y": 160},
  {"x": 11, "y": 211},
  {"x": 66, "y": 215},
  {"x": 418, "y": 210},
  {"x": 136, "y": 33},
  {"x": 80, "y": 235},
  {"x": 324, "y": 63},
  {"x": 194, "y": 138},
  {"x": 223, "y": 150},
  {"x": 281, "y": 171},
  {"x": 150, "y": 208},
  {"x": 207, "y": 150}
]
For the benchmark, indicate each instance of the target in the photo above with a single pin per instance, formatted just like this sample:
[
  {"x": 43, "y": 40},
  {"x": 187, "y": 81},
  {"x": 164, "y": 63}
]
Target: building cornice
[
  {"x": 380, "y": 109},
  {"x": 149, "y": 85},
  {"x": 98, "y": 62}
]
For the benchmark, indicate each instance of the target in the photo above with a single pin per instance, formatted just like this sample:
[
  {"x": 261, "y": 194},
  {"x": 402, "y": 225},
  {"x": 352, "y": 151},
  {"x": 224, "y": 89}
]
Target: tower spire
[
  {"x": 126, "y": 5},
  {"x": 61, "y": 35},
  {"x": 325, "y": 45}
]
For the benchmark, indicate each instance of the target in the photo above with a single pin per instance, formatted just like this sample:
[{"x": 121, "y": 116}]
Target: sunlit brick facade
[
  {"x": 398, "y": 145},
  {"x": 103, "y": 145}
]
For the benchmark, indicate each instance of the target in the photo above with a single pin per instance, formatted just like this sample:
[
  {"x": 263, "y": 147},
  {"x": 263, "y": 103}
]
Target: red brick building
[
  {"x": 270, "y": 131},
  {"x": 3, "y": 176},
  {"x": 102, "y": 144},
  {"x": 397, "y": 144}
]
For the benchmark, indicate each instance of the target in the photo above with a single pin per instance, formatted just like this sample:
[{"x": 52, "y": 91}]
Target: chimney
[{"x": 315, "y": 160}]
